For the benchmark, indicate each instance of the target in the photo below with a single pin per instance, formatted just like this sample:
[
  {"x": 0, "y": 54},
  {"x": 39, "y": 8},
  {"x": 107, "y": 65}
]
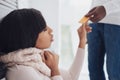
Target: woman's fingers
[
  {"x": 48, "y": 57},
  {"x": 88, "y": 29}
]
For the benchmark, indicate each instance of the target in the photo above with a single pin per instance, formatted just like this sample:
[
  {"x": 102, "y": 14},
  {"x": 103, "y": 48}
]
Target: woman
[{"x": 24, "y": 36}]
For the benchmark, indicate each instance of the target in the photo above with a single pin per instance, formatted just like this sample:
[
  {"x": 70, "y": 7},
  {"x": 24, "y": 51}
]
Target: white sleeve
[
  {"x": 74, "y": 71},
  {"x": 57, "y": 77},
  {"x": 112, "y": 6},
  {"x": 96, "y": 3},
  {"x": 24, "y": 73}
]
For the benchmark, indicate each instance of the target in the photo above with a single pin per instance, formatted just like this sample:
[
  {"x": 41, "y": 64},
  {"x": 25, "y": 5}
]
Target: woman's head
[{"x": 24, "y": 28}]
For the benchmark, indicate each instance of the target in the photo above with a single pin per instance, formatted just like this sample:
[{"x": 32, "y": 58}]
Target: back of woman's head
[{"x": 19, "y": 30}]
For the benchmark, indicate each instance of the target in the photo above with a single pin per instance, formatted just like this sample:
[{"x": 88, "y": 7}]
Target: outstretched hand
[{"x": 82, "y": 33}]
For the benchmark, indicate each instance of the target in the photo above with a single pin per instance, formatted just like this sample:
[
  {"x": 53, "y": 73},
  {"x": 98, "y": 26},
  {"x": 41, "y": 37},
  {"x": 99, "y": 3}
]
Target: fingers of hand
[
  {"x": 95, "y": 19},
  {"x": 47, "y": 55},
  {"x": 91, "y": 12},
  {"x": 82, "y": 28},
  {"x": 88, "y": 29}
]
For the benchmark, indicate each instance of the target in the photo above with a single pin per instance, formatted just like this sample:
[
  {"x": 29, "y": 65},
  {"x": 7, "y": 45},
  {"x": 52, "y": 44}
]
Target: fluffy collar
[{"x": 28, "y": 57}]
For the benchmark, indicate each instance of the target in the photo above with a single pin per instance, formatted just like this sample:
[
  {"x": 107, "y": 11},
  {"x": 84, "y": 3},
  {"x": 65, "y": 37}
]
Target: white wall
[
  {"x": 71, "y": 12},
  {"x": 23, "y": 4},
  {"x": 6, "y": 6}
]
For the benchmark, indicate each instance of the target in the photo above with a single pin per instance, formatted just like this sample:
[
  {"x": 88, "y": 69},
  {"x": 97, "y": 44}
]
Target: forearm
[
  {"x": 82, "y": 44},
  {"x": 75, "y": 69}
]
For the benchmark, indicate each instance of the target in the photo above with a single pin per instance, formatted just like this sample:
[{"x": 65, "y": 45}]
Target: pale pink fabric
[{"x": 27, "y": 57}]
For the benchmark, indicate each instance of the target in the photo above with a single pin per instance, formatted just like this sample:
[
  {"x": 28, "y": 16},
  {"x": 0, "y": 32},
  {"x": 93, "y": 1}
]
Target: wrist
[
  {"x": 55, "y": 72},
  {"x": 82, "y": 44}
]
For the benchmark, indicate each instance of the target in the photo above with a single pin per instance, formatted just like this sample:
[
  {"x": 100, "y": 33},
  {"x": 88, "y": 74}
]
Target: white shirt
[
  {"x": 20, "y": 72},
  {"x": 112, "y": 9}
]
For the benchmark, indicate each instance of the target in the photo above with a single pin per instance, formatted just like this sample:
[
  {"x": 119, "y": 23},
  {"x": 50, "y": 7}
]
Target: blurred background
[
  {"x": 62, "y": 16},
  {"x": 71, "y": 11}
]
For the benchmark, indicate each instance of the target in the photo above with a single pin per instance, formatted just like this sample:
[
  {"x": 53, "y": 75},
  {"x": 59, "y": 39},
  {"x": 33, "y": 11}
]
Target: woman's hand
[
  {"x": 51, "y": 60},
  {"x": 82, "y": 33}
]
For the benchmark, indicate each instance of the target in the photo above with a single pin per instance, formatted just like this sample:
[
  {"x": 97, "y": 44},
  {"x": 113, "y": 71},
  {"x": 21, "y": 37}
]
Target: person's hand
[
  {"x": 51, "y": 60},
  {"x": 96, "y": 14},
  {"x": 82, "y": 33}
]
